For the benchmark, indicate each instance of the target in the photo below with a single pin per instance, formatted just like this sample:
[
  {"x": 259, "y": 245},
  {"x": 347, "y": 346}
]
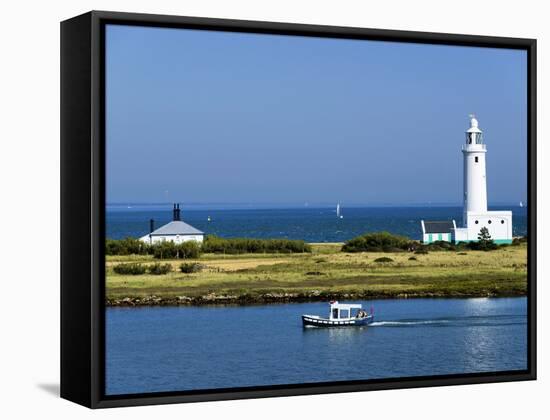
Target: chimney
[
  {"x": 151, "y": 225},
  {"x": 176, "y": 212}
]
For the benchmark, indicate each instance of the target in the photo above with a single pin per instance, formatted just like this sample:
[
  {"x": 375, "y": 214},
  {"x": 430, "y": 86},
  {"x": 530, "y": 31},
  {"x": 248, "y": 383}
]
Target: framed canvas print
[{"x": 254, "y": 209}]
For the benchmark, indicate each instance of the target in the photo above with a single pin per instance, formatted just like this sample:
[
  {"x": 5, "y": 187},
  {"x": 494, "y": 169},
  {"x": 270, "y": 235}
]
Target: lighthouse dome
[{"x": 474, "y": 125}]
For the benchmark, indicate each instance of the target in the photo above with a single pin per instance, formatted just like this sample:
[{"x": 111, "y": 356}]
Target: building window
[
  {"x": 477, "y": 221},
  {"x": 476, "y": 159}
]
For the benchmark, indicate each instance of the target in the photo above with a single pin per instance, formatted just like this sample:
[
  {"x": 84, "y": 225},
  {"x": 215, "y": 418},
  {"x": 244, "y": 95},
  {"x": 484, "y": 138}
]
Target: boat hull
[{"x": 311, "y": 321}]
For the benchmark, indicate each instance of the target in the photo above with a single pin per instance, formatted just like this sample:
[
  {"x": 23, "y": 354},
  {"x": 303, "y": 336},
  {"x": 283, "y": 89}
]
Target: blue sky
[{"x": 214, "y": 117}]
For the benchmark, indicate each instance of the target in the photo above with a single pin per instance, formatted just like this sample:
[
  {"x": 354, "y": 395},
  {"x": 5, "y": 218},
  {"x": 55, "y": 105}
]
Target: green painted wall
[{"x": 496, "y": 241}]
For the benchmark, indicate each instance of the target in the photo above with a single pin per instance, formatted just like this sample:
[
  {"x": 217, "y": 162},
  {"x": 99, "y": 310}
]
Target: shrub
[
  {"x": 519, "y": 240},
  {"x": 158, "y": 268},
  {"x": 413, "y": 259},
  {"x": 383, "y": 260},
  {"x": 130, "y": 268},
  {"x": 421, "y": 251},
  {"x": 439, "y": 246},
  {"x": 190, "y": 267},
  {"x": 378, "y": 242},
  {"x": 170, "y": 250},
  {"x": 314, "y": 273},
  {"x": 217, "y": 245},
  {"x": 189, "y": 249},
  {"x": 484, "y": 242},
  {"x": 127, "y": 246}
]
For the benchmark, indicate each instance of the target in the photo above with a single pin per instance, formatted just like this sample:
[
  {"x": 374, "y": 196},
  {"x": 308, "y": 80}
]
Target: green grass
[{"x": 328, "y": 272}]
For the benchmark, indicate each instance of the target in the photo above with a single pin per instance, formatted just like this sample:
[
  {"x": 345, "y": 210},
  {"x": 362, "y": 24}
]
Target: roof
[
  {"x": 443, "y": 226},
  {"x": 345, "y": 306},
  {"x": 176, "y": 227}
]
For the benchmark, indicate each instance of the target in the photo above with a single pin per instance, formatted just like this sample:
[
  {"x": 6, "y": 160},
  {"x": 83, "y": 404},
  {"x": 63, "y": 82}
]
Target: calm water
[
  {"x": 309, "y": 224},
  {"x": 184, "y": 348}
]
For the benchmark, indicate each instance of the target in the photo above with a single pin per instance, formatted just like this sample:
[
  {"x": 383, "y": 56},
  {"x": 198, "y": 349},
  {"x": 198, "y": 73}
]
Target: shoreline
[{"x": 279, "y": 298}]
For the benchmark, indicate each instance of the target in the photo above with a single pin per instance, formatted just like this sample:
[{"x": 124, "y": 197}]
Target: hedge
[{"x": 217, "y": 245}]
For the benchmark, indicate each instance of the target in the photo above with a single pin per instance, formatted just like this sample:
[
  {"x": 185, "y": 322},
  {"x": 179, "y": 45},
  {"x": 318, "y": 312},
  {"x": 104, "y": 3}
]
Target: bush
[
  {"x": 482, "y": 246},
  {"x": 190, "y": 267},
  {"x": 189, "y": 249},
  {"x": 484, "y": 242},
  {"x": 127, "y": 246},
  {"x": 171, "y": 250},
  {"x": 439, "y": 246},
  {"x": 130, "y": 268},
  {"x": 413, "y": 259},
  {"x": 383, "y": 260},
  {"x": 217, "y": 245},
  {"x": 378, "y": 242},
  {"x": 519, "y": 240},
  {"x": 422, "y": 251},
  {"x": 158, "y": 269}
]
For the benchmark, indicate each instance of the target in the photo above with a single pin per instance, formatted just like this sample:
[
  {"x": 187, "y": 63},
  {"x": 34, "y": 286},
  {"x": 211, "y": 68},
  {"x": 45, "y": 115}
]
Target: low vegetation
[
  {"x": 212, "y": 244},
  {"x": 217, "y": 245},
  {"x": 383, "y": 260},
  {"x": 127, "y": 246},
  {"x": 191, "y": 267},
  {"x": 387, "y": 242},
  {"x": 324, "y": 273},
  {"x": 170, "y": 250},
  {"x": 379, "y": 242},
  {"x": 132, "y": 269},
  {"x": 158, "y": 269}
]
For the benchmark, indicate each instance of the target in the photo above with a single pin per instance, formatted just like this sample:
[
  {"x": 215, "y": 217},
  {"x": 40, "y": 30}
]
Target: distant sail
[
  {"x": 338, "y": 210},
  {"x": 521, "y": 203}
]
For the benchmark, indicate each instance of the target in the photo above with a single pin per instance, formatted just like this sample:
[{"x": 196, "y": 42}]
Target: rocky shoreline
[{"x": 266, "y": 298}]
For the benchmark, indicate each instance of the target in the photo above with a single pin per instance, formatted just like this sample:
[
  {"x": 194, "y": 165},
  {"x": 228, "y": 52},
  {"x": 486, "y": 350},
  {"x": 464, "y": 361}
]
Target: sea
[
  {"x": 311, "y": 224},
  {"x": 163, "y": 349}
]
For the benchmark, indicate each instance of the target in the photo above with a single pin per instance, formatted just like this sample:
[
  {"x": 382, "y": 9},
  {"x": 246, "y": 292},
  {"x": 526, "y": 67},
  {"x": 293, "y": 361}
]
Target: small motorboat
[{"x": 340, "y": 315}]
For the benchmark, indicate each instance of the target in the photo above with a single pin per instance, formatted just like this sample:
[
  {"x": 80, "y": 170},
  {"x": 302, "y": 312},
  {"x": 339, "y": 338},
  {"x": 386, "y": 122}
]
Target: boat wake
[
  {"x": 469, "y": 321},
  {"x": 406, "y": 323}
]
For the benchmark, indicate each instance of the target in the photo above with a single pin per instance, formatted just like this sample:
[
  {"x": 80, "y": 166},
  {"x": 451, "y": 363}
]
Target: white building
[
  {"x": 475, "y": 213},
  {"x": 441, "y": 230},
  {"x": 176, "y": 231}
]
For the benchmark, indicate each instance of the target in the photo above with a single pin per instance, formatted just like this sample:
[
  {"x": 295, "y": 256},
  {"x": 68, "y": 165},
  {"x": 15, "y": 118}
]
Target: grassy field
[{"x": 325, "y": 273}]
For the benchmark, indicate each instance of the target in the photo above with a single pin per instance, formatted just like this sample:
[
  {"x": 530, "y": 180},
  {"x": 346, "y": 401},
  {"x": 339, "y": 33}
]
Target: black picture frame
[{"x": 83, "y": 207}]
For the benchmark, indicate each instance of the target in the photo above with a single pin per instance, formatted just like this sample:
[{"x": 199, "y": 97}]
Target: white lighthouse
[
  {"x": 475, "y": 182},
  {"x": 476, "y": 215}
]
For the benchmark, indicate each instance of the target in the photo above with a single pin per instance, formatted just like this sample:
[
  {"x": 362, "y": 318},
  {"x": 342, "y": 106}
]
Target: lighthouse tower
[
  {"x": 476, "y": 215},
  {"x": 475, "y": 182}
]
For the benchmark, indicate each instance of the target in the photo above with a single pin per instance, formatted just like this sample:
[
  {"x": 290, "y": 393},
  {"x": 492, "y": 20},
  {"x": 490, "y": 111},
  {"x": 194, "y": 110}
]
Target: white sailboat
[
  {"x": 521, "y": 203},
  {"x": 338, "y": 215}
]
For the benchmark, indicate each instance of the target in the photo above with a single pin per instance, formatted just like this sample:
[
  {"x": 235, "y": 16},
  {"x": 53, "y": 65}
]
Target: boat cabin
[{"x": 343, "y": 310}]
